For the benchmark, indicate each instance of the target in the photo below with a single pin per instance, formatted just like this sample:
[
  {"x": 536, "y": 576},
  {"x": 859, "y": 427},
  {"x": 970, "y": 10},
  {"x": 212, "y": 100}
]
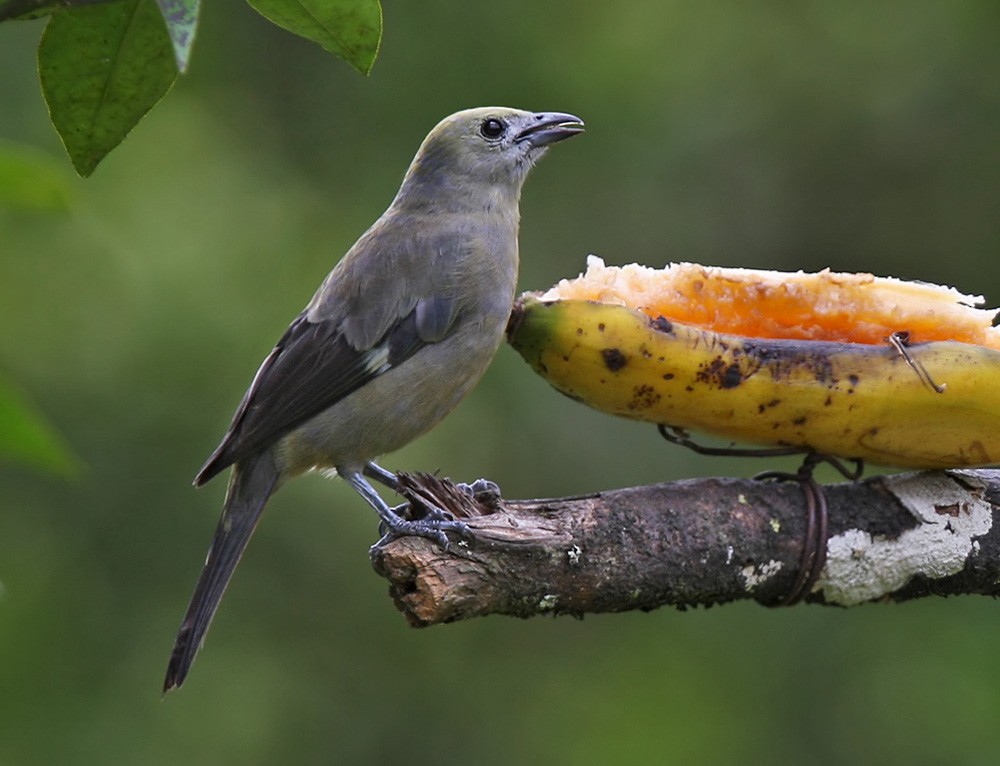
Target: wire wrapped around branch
[{"x": 698, "y": 541}]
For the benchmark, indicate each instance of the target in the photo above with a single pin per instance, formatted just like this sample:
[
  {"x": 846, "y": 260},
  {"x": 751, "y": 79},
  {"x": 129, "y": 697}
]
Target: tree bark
[{"x": 693, "y": 542}]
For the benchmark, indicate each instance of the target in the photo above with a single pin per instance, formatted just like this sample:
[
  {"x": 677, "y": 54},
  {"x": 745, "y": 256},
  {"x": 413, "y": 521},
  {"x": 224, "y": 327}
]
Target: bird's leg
[
  {"x": 393, "y": 525},
  {"x": 386, "y": 478}
]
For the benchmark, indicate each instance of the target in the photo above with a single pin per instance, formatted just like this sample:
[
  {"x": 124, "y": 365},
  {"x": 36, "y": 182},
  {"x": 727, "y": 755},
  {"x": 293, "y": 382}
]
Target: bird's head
[{"x": 495, "y": 145}]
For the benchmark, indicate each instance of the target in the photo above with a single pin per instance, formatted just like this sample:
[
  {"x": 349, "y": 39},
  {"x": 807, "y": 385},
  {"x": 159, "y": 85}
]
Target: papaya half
[{"x": 888, "y": 371}]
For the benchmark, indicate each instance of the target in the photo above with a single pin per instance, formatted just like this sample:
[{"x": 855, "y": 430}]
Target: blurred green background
[{"x": 853, "y": 135}]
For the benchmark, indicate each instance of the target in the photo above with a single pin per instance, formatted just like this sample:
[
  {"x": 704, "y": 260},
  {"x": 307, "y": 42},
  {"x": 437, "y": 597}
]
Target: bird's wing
[
  {"x": 314, "y": 366},
  {"x": 374, "y": 285}
]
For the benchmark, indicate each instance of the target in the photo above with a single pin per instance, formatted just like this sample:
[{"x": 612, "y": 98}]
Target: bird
[{"x": 397, "y": 334}]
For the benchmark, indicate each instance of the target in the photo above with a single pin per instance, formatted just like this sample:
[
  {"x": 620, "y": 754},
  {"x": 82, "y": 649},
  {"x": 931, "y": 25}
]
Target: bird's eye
[{"x": 492, "y": 128}]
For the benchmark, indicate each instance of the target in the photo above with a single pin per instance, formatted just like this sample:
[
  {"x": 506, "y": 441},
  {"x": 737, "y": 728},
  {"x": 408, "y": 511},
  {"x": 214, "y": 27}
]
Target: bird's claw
[
  {"x": 435, "y": 526},
  {"x": 480, "y": 487},
  {"x": 403, "y": 512}
]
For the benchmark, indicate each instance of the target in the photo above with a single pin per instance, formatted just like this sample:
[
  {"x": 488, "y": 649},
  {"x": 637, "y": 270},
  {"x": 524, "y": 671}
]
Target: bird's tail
[{"x": 252, "y": 483}]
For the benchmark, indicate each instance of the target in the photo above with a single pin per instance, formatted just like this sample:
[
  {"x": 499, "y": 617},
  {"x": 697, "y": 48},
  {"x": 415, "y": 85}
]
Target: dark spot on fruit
[
  {"x": 662, "y": 324},
  {"x": 800, "y": 421},
  {"x": 829, "y": 401},
  {"x": 731, "y": 378},
  {"x": 668, "y": 375},
  {"x": 614, "y": 359},
  {"x": 719, "y": 373},
  {"x": 579, "y": 331},
  {"x": 853, "y": 379},
  {"x": 783, "y": 360},
  {"x": 600, "y": 327},
  {"x": 689, "y": 388},
  {"x": 643, "y": 397},
  {"x": 710, "y": 371}
]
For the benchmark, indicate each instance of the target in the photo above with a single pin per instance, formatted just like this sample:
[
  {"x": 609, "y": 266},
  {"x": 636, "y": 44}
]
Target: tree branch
[{"x": 699, "y": 541}]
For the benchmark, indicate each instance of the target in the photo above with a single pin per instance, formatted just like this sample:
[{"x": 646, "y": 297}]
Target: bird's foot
[
  {"x": 480, "y": 487},
  {"x": 435, "y": 526}
]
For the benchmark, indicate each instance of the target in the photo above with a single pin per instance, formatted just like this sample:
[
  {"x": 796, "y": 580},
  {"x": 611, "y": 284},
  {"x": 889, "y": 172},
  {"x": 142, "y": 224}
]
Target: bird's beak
[{"x": 548, "y": 127}]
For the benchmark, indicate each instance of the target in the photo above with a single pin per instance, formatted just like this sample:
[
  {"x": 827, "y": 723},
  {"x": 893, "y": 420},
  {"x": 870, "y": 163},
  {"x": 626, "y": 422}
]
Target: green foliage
[
  {"x": 26, "y": 437},
  {"x": 105, "y": 64},
  {"x": 102, "y": 68},
  {"x": 350, "y": 29}
]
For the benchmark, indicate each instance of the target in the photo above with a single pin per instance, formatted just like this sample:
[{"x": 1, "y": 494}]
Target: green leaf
[
  {"x": 25, "y": 435},
  {"x": 102, "y": 68},
  {"x": 182, "y": 23},
  {"x": 350, "y": 29},
  {"x": 32, "y": 180}
]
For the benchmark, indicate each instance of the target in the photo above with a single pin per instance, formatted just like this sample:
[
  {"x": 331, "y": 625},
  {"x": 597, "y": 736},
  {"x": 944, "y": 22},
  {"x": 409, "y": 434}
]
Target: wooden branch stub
[{"x": 693, "y": 542}]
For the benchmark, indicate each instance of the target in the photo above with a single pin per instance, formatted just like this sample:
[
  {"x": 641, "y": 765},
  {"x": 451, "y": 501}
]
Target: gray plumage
[{"x": 401, "y": 329}]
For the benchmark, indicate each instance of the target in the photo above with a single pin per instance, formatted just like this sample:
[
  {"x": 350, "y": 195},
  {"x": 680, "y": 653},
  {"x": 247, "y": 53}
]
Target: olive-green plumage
[{"x": 401, "y": 329}]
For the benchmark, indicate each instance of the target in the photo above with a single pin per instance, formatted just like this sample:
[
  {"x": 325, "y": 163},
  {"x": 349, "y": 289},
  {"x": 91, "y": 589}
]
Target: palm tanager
[{"x": 401, "y": 329}]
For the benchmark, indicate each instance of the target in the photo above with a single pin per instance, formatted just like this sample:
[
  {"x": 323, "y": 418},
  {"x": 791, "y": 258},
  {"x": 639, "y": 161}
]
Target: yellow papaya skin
[{"x": 851, "y": 400}]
